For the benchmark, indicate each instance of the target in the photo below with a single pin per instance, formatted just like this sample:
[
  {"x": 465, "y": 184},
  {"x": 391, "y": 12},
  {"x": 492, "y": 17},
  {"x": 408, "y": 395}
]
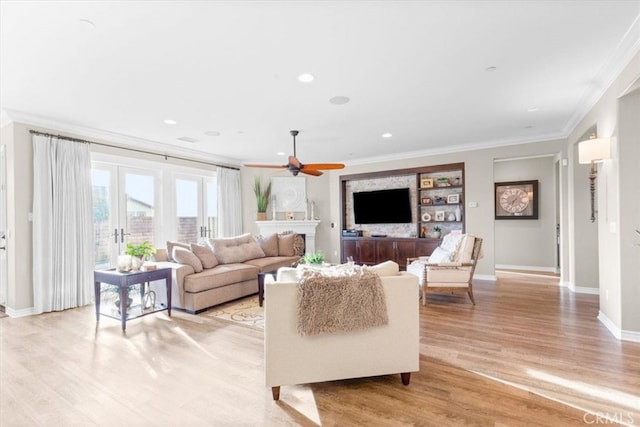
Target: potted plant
[
  {"x": 134, "y": 255},
  {"x": 316, "y": 258},
  {"x": 436, "y": 232},
  {"x": 263, "y": 195}
]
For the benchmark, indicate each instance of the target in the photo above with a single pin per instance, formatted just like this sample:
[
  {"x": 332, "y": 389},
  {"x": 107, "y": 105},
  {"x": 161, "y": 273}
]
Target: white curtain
[
  {"x": 62, "y": 224},
  {"x": 229, "y": 202}
]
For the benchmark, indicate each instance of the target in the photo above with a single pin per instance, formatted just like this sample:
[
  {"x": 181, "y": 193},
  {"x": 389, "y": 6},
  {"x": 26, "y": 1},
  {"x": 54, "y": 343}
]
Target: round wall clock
[{"x": 516, "y": 200}]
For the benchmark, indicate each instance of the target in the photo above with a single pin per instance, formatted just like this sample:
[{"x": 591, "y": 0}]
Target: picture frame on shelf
[
  {"x": 516, "y": 200},
  {"x": 439, "y": 216},
  {"x": 427, "y": 201},
  {"x": 426, "y": 217},
  {"x": 426, "y": 182},
  {"x": 453, "y": 199}
]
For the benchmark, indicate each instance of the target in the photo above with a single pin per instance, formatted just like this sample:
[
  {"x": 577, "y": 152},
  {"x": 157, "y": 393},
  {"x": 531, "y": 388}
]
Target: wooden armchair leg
[
  {"x": 470, "y": 293},
  {"x": 406, "y": 377},
  {"x": 275, "y": 392}
]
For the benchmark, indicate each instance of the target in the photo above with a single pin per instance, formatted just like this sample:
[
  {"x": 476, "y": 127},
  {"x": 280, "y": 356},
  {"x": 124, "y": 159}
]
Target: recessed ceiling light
[
  {"x": 87, "y": 24},
  {"x": 212, "y": 133},
  {"x": 305, "y": 78},
  {"x": 339, "y": 100},
  {"x": 280, "y": 153},
  {"x": 170, "y": 122},
  {"x": 490, "y": 69},
  {"x": 532, "y": 109},
  {"x": 387, "y": 135}
]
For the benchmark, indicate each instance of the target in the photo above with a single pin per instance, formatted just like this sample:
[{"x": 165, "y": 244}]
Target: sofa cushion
[
  {"x": 298, "y": 245},
  {"x": 220, "y": 275},
  {"x": 285, "y": 244},
  {"x": 272, "y": 263},
  {"x": 440, "y": 255},
  {"x": 269, "y": 245},
  {"x": 387, "y": 268},
  {"x": 185, "y": 256},
  {"x": 236, "y": 249},
  {"x": 465, "y": 250},
  {"x": 171, "y": 245},
  {"x": 161, "y": 255},
  {"x": 205, "y": 255}
]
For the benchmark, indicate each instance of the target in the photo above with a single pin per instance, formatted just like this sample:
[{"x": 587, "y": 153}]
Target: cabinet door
[
  {"x": 350, "y": 249},
  {"x": 385, "y": 251},
  {"x": 367, "y": 251},
  {"x": 404, "y": 250},
  {"x": 426, "y": 247}
]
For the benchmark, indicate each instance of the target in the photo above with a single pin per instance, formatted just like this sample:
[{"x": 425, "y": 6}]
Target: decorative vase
[
  {"x": 458, "y": 214},
  {"x": 262, "y": 216},
  {"x": 451, "y": 217},
  {"x": 125, "y": 263},
  {"x": 136, "y": 263},
  {"x": 435, "y": 234}
]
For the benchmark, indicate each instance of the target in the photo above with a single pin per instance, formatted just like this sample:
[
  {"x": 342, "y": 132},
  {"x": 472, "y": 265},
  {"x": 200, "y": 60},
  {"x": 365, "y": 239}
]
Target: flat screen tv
[{"x": 382, "y": 206}]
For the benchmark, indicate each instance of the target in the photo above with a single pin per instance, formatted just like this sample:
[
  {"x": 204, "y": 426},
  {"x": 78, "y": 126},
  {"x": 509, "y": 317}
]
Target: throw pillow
[
  {"x": 387, "y": 268},
  {"x": 269, "y": 245},
  {"x": 185, "y": 256},
  {"x": 205, "y": 255},
  {"x": 298, "y": 245},
  {"x": 171, "y": 245},
  {"x": 236, "y": 249},
  {"x": 285, "y": 244},
  {"x": 440, "y": 255}
]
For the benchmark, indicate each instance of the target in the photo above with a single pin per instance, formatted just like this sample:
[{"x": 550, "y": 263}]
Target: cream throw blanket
[{"x": 340, "y": 299}]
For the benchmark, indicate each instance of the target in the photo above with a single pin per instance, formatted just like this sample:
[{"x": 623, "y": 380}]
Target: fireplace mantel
[{"x": 306, "y": 227}]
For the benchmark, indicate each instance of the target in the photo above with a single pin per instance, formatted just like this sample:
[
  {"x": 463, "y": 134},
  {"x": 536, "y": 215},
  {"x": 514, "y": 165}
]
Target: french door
[
  {"x": 195, "y": 208},
  {"x": 126, "y": 209},
  {"x": 4, "y": 274}
]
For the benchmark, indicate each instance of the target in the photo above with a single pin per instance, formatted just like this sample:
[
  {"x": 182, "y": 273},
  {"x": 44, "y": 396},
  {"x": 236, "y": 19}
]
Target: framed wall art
[
  {"x": 290, "y": 194},
  {"x": 516, "y": 200},
  {"x": 426, "y": 183}
]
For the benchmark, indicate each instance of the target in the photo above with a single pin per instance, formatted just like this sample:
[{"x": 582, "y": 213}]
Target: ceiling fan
[{"x": 295, "y": 166}]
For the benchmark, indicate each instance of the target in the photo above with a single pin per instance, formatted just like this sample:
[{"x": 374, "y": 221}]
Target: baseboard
[
  {"x": 488, "y": 277},
  {"x": 583, "y": 289},
  {"x": 527, "y": 267},
  {"x": 23, "y": 312},
  {"x": 620, "y": 334}
]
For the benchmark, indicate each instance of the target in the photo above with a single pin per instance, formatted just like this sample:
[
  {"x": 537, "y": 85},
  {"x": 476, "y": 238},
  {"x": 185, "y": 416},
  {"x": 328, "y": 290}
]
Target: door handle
[
  {"x": 3, "y": 237},
  {"x": 122, "y": 234},
  {"x": 115, "y": 235}
]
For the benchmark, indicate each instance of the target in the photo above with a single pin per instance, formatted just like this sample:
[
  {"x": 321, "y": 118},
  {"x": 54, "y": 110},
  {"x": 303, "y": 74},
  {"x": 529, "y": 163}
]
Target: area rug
[{"x": 244, "y": 311}]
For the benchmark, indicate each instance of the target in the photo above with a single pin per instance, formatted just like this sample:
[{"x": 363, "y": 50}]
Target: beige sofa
[
  {"x": 291, "y": 358},
  {"x": 221, "y": 270}
]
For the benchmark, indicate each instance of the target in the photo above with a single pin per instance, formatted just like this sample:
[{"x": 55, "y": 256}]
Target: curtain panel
[
  {"x": 229, "y": 202},
  {"x": 62, "y": 224}
]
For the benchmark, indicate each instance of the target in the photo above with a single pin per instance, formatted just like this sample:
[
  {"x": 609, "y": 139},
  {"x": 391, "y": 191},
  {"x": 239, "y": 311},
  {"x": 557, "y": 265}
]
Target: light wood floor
[{"x": 529, "y": 353}]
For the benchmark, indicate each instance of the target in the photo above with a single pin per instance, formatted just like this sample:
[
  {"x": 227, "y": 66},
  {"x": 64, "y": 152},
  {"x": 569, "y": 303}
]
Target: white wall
[
  {"x": 530, "y": 242},
  {"x": 617, "y": 184}
]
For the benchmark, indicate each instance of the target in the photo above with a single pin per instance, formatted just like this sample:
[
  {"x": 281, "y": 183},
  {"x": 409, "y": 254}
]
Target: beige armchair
[{"x": 450, "y": 267}]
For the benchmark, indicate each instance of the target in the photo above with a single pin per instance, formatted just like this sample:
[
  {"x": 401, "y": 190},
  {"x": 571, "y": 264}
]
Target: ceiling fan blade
[
  {"x": 311, "y": 172},
  {"x": 324, "y": 165},
  {"x": 264, "y": 166}
]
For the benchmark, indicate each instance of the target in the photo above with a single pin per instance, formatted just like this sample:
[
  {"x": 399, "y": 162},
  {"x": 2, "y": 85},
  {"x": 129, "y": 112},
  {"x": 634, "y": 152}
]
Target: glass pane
[
  {"x": 139, "y": 193},
  {"x": 103, "y": 231},
  {"x": 211, "y": 213},
  {"x": 187, "y": 210}
]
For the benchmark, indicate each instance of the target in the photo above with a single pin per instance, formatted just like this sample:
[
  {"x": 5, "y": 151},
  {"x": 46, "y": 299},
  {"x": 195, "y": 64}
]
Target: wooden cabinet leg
[
  {"x": 275, "y": 392},
  {"x": 406, "y": 377}
]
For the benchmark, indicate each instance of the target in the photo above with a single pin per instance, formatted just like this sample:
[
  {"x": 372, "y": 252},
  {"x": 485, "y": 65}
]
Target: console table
[{"x": 124, "y": 281}]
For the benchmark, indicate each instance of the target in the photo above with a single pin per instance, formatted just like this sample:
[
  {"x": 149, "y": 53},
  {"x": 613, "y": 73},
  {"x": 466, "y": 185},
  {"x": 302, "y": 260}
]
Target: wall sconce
[{"x": 594, "y": 150}]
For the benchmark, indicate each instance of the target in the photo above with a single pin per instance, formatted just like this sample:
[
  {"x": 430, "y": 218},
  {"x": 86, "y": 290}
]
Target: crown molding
[
  {"x": 618, "y": 60},
  {"x": 117, "y": 139},
  {"x": 455, "y": 149}
]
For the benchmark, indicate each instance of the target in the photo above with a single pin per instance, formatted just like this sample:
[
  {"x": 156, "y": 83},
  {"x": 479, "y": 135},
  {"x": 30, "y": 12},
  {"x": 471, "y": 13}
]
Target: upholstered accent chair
[{"x": 450, "y": 267}]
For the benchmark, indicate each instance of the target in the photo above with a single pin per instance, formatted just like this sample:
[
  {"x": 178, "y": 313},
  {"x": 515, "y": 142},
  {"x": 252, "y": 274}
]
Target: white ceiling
[{"x": 414, "y": 69}]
